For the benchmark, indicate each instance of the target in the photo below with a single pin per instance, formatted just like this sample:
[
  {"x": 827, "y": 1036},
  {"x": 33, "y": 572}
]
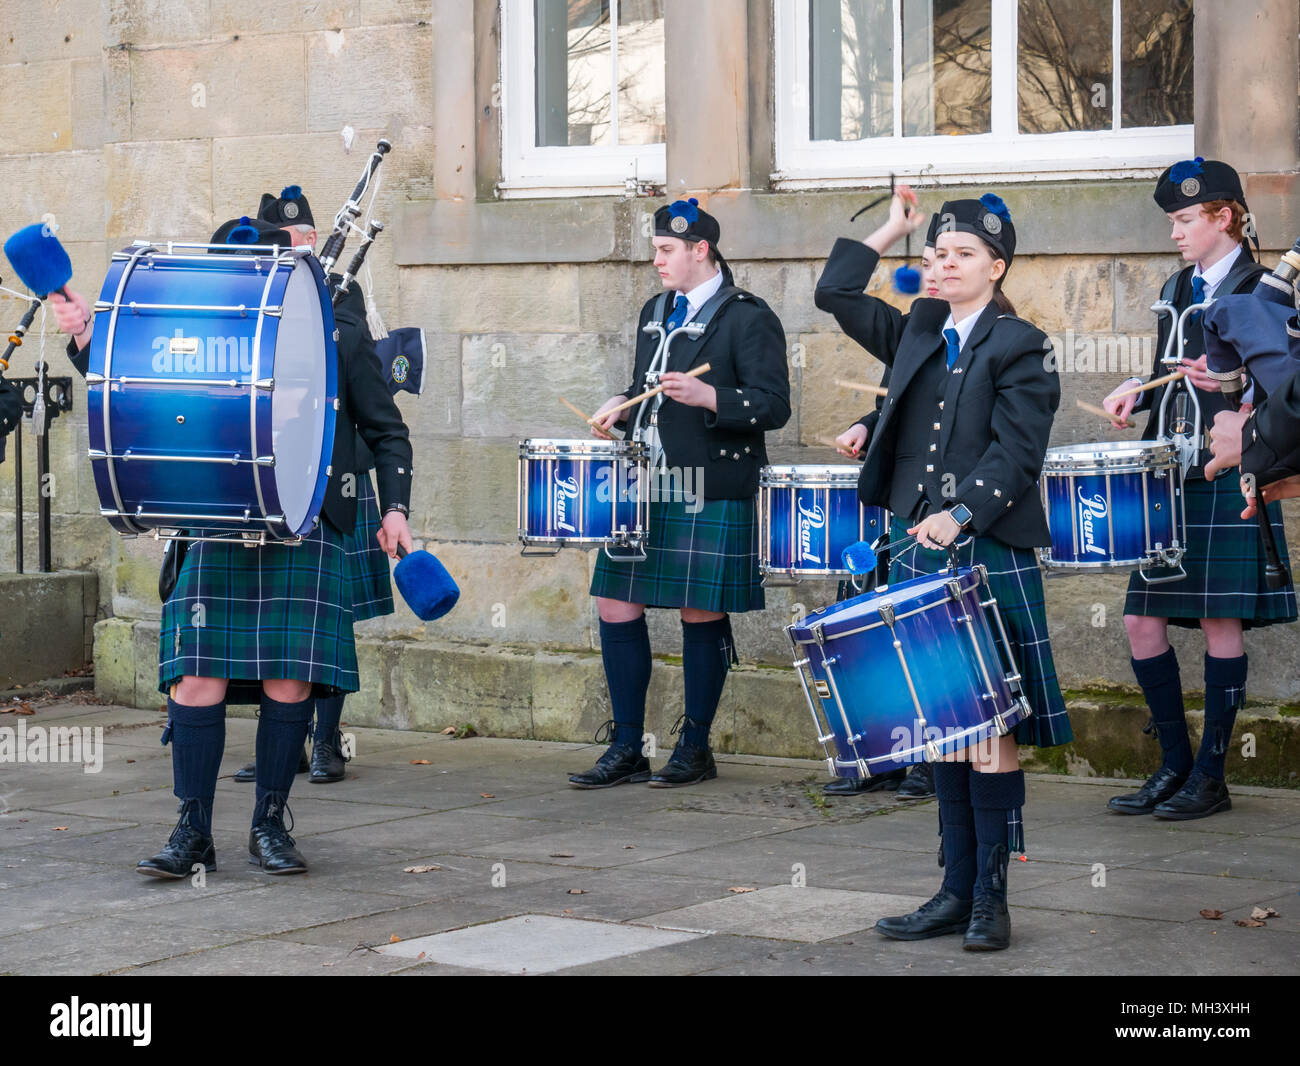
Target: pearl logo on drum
[
  {"x": 810, "y": 519},
  {"x": 565, "y": 489},
  {"x": 1090, "y": 510}
]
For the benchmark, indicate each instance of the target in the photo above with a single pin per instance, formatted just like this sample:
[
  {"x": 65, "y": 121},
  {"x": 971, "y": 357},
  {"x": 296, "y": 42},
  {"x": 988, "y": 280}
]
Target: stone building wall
[{"x": 162, "y": 118}]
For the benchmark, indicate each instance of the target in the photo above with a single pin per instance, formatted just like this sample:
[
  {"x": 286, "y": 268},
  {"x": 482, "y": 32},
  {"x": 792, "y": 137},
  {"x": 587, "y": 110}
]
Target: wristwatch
[
  {"x": 404, "y": 512},
  {"x": 961, "y": 514}
]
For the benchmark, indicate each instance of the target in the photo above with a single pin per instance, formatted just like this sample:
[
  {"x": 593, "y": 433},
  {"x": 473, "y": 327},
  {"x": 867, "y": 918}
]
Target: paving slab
[
  {"x": 273, "y": 957},
  {"x": 100, "y": 945}
]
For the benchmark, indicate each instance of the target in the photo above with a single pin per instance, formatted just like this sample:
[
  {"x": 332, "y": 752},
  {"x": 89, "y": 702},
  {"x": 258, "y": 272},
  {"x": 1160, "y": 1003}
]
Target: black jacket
[
  {"x": 999, "y": 401},
  {"x": 1270, "y": 438},
  {"x": 11, "y": 407},
  {"x": 745, "y": 348},
  {"x": 366, "y": 409},
  {"x": 1246, "y": 274}
]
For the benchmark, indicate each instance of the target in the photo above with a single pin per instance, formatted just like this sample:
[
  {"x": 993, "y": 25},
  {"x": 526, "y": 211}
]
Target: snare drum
[
  {"x": 1116, "y": 505},
  {"x": 583, "y": 493},
  {"x": 211, "y": 388},
  {"x": 808, "y": 515},
  {"x": 912, "y": 671}
]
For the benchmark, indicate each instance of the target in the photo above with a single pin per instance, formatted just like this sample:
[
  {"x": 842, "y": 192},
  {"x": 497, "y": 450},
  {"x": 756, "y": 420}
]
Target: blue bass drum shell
[{"x": 211, "y": 392}]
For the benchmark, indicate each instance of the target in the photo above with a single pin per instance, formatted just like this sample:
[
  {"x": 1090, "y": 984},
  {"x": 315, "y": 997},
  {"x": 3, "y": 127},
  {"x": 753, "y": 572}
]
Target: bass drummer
[
  {"x": 702, "y": 556},
  {"x": 1225, "y": 590},
  {"x": 275, "y": 625},
  {"x": 955, "y": 457}
]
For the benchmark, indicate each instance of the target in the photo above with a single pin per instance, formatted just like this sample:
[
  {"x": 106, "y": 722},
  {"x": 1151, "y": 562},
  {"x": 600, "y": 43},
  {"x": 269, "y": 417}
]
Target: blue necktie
[
  {"x": 1198, "y": 294},
  {"x": 679, "y": 313},
  {"x": 954, "y": 345}
]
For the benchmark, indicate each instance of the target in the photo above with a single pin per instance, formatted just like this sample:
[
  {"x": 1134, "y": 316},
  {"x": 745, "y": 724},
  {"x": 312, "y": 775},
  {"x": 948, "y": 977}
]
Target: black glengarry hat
[
  {"x": 246, "y": 231},
  {"x": 290, "y": 208},
  {"x": 988, "y": 218},
  {"x": 1197, "y": 181},
  {"x": 685, "y": 219}
]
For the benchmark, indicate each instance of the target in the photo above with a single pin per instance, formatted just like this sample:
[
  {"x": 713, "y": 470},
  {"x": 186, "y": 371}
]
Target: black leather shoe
[
  {"x": 938, "y": 916},
  {"x": 327, "y": 761},
  {"x": 185, "y": 847},
  {"x": 1200, "y": 797},
  {"x": 272, "y": 848},
  {"x": 622, "y": 764},
  {"x": 248, "y": 772},
  {"x": 919, "y": 783},
  {"x": 990, "y": 925},
  {"x": 853, "y": 786},
  {"x": 1159, "y": 787},
  {"x": 685, "y": 766}
]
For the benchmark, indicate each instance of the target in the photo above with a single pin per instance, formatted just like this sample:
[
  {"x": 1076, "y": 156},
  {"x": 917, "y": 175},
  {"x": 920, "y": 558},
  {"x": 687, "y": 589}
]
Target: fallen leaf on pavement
[
  {"x": 1214, "y": 916},
  {"x": 419, "y": 762},
  {"x": 629, "y": 847},
  {"x": 738, "y": 889},
  {"x": 130, "y": 760},
  {"x": 450, "y": 731},
  {"x": 419, "y": 869},
  {"x": 561, "y": 855},
  {"x": 394, "y": 939},
  {"x": 25, "y": 708},
  {"x": 488, "y": 795},
  {"x": 421, "y": 955},
  {"x": 1248, "y": 923},
  {"x": 577, "y": 892},
  {"x": 1260, "y": 913},
  {"x": 60, "y": 828}
]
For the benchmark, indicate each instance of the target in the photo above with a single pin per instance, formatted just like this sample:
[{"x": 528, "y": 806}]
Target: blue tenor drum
[
  {"x": 1115, "y": 506},
  {"x": 808, "y": 515},
  {"x": 584, "y": 493},
  {"x": 211, "y": 392},
  {"x": 909, "y": 672}
]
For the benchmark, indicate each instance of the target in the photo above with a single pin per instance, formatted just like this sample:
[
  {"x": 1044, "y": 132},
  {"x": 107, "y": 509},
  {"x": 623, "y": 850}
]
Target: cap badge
[
  {"x": 401, "y": 367},
  {"x": 289, "y": 210},
  {"x": 992, "y": 223},
  {"x": 1190, "y": 187},
  {"x": 679, "y": 224}
]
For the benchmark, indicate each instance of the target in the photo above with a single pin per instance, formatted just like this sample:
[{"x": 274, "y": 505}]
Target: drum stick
[
  {"x": 696, "y": 372},
  {"x": 875, "y": 390},
  {"x": 1092, "y": 409},
  {"x": 831, "y": 444},
  {"x": 592, "y": 422},
  {"x": 1149, "y": 385}
]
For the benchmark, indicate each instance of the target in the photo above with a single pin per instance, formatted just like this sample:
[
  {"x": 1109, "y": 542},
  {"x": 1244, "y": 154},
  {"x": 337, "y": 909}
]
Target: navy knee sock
[
  {"x": 997, "y": 801},
  {"x": 281, "y": 731},
  {"x": 707, "y": 652},
  {"x": 625, "y": 651},
  {"x": 1163, "y": 690},
  {"x": 329, "y": 712},
  {"x": 956, "y": 827},
  {"x": 198, "y": 739},
  {"x": 1225, "y": 692}
]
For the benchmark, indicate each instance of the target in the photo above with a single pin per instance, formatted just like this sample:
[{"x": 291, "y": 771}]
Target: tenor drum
[
  {"x": 1115, "y": 506},
  {"x": 912, "y": 671},
  {"x": 808, "y": 515},
  {"x": 211, "y": 392},
  {"x": 583, "y": 493}
]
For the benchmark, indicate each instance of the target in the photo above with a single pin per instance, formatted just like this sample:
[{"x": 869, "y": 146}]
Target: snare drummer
[
  {"x": 956, "y": 457},
  {"x": 1224, "y": 591},
  {"x": 918, "y": 782},
  {"x": 276, "y": 621},
  {"x": 702, "y": 552}
]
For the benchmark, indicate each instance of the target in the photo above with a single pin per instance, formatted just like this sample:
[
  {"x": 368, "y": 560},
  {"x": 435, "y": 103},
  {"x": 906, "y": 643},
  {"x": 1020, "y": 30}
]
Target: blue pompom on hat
[
  {"x": 1187, "y": 168},
  {"x": 997, "y": 205}
]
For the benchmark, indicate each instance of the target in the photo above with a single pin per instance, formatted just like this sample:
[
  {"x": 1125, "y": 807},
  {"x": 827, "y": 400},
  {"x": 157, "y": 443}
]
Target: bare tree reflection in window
[
  {"x": 1156, "y": 63},
  {"x": 1065, "y": 62}
]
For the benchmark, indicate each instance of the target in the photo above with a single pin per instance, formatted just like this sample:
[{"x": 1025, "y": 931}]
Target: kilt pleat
[
  {"x": 707, "y": 559},
  {"x": 1017, "y": 585},
  {"x": 370, "y": 583},
  {"x": 249, "y": 614},
  {"x": 1224, "y": 563}
]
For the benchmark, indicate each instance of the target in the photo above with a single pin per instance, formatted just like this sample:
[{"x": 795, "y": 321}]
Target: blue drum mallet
[{"x": 425, "y": 584}]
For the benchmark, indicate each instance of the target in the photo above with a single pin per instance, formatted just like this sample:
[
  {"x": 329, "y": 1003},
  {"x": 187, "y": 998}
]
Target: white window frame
[
  {"x": 528, "y": 170},
  {"x": 1003, "y": 154}
]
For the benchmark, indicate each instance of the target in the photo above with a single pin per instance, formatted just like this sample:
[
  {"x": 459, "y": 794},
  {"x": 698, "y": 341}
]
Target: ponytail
[{"x": 1000, "y": 300}]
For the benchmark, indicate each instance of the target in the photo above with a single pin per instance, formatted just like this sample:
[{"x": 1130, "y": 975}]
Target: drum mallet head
[
  {"x": 425, "y": 584},
  {"x": 859, "y": 558},
  {"x": 39, "y": 260}
]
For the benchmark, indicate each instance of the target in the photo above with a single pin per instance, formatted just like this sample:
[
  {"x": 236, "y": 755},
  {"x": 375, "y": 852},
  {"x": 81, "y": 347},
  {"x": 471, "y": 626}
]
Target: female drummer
[
  {"x": 956, "y": 457},
  {"x": 1224, "y": 591},
  {"x": 919, "y": 781}
]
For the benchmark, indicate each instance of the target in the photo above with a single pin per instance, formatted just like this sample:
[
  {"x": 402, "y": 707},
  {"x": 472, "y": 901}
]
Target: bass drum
[{"x": 212, "y": 391}]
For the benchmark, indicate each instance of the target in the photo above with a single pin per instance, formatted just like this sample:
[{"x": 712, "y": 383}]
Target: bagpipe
[{"x": 1253, "y": 337}]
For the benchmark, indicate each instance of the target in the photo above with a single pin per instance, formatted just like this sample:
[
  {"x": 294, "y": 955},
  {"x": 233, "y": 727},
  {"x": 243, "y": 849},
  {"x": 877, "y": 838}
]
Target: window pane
[
  {"x": 1156, "y": 63},
  {"x": 1064, "y": 65},
  {"x": 641, "y": 72},
  {"x": 573, "y": 72},
  {"x": 852, "y": 69},
  {"x": 947, "y": 69}
]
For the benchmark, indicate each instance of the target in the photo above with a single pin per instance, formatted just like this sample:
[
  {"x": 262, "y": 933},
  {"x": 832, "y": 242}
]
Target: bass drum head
[{"x": 302, "y": 408}]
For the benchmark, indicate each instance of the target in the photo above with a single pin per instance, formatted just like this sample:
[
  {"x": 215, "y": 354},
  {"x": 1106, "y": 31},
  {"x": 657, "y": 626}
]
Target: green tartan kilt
[
  {"x": 1017, "y": 585},
  {"x": 370, "y": 583},
  {"x": 1224, "y": 563},
  {"x": 707, "y": 560},
  {"x": 249, "y": 614}
]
